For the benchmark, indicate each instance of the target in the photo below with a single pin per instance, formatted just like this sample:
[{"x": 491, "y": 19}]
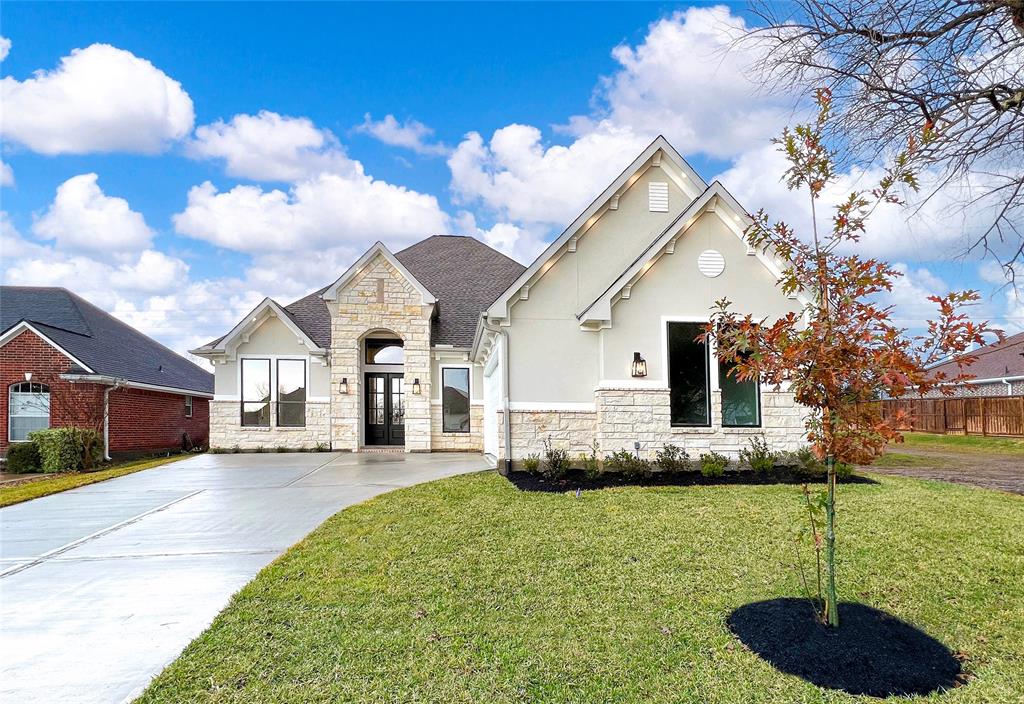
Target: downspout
[
  {"x": 506, "y": 421},
  {"x": 106, "y": 422}
]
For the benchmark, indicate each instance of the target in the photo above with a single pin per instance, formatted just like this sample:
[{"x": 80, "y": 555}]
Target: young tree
[
  {"x": 896, "y": 67},
  {"x": 843, "y": 351}
]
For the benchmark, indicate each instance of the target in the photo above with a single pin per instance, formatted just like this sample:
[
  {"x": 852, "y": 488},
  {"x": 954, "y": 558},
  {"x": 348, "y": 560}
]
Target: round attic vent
[{"x": 711, "y": 263}]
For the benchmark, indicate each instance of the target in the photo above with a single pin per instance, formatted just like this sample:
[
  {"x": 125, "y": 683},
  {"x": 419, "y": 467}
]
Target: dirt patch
[
  {"x": 1004, "y": 472},
  {"x": 872, "y": 652},
  {"x": 577, "y": 479}
]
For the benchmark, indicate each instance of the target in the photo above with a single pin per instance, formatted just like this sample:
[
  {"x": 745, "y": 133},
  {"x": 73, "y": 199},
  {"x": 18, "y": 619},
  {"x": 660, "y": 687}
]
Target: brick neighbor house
[
  {"x": 63, "y": 361},
  {"x": 998, "y": 370}
]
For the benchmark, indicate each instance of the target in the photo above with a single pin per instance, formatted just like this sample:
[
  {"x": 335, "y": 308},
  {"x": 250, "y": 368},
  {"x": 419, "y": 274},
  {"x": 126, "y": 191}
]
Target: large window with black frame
[
  {"x": 455, "y": 399},
  {"x": 291, "y": 393},
  {"x": 256, "y": 392}
]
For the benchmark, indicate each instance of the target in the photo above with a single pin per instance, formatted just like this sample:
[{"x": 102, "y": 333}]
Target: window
[
  {"x": 688, "y": 382},
  {"x": 455, "y": 400},
  {"x": 384, "y": 352},
  {"x": 291, "y": 393},
  {"x": 741, "y": 407},
  {"x": 28, "y": 409},
  {"x": 256, "y": 392},
  {"x": 188, "y": 406}
]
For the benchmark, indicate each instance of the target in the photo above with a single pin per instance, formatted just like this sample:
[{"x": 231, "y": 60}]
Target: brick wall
[{"x": 140, "y": 421}]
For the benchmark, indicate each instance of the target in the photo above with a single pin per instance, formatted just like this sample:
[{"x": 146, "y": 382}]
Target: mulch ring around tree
[
  {"x": 577, "y": 479},
  {"x": 871, "y": 653}
]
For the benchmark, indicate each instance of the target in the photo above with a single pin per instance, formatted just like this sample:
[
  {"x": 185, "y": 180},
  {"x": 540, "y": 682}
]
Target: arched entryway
[{"x": 384, "y": 393}]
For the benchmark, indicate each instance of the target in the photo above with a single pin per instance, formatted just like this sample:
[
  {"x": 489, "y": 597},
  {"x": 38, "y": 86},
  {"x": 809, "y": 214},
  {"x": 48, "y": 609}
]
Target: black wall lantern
[
  {"x": 639, "y": 365},
  {"x": 344, "y": 385},
  {"x": 416, "y": 386}
]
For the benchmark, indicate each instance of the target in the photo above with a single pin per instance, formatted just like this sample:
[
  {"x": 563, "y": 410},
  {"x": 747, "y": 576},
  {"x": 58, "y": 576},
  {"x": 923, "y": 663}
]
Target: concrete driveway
[{"x": 102, "y": 586}]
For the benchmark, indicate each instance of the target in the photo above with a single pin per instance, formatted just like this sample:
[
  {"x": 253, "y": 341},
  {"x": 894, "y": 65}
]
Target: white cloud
[
  {"x": 411, "y": 134},
  {"x": 6, "y": 174},
  {"x": 99, "y": 99},
  {"x": 271, "y": 147},
  {"x": 83, "y": 218},
  {"x": 325, "y": 211},
  {"x": 520, "y": 179},
  {"x": 5, "y": 47}
]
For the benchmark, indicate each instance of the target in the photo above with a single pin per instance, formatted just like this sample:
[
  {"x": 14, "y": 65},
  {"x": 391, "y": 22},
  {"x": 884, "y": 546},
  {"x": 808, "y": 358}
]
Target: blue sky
[{"x": 320, "y": 128}]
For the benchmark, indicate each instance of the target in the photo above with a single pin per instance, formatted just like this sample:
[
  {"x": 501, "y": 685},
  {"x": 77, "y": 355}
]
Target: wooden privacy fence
[{"x": 983, "y": 415}]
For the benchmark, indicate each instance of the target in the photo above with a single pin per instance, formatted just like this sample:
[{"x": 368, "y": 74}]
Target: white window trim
[
  {"x": 440, "y": 386},
  {"x": 273, "y": 386},
  {"x": 49, "y": 409}
]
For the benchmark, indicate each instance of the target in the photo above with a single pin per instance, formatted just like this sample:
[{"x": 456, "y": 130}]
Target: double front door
[{"x": 385, "y": 409}]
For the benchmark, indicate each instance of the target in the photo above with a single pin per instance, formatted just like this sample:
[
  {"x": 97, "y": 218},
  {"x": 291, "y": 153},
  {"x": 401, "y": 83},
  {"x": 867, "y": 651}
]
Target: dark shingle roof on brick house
[
  {"x": 995, "y": 361},
  {"x": 463, "y": 274},
  {"x": 106, "y": 345}
]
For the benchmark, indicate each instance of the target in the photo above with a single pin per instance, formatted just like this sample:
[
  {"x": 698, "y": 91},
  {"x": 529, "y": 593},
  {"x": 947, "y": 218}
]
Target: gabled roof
[
  {"x": 266, "y": 308},
  {"x": 94, "y": 338},
  {"x": 378, "y": 249},
  {"x": 714, "y": 197},
  {"x": 995, "y": 361},
  {"x": 655, "y": 151}
]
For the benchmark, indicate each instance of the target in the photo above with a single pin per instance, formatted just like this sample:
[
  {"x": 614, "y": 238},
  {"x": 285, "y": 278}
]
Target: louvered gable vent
[{"x": 657, "y": 196}]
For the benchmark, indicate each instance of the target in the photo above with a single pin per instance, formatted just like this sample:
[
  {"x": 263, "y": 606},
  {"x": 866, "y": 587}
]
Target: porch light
[
  {"x": 416, "y": 386},
  {"x": 639, "y": 365},
  {"x": 28, "y": 376},
  {"x": 343, "y": 386}
]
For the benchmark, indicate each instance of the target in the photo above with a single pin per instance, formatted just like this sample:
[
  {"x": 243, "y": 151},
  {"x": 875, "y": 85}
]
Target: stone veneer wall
[
  {"x": 365, "y": 306},
  {"x": 227, "y": 432},
  {"x": 625, "y": 416},
  {"x": 473, "y": 441}
]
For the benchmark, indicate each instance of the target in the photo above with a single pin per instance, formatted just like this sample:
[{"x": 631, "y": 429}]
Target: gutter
[
  {"x": 124, "y": 383},
  {"x": 506, "y": 421}
]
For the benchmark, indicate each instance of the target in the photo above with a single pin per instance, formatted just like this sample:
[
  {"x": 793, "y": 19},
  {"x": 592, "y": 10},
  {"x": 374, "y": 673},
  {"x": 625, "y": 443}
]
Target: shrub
[
  {"x": 63, "y": 449},
  {"x": 673, "y": 459},
  {"x": 323, "y": 447},
  {"x": 556, "y": 461},
  {"x": 281, "y": 448},
  {"x": 23, "y": 457},
  {"x": 531, "y": 463},
  {"x": 808, "y": 462},
  {"x": 629, "y": 464},
  {"x": 236, "y": 449},
  {"x": 759, "y": 456},
  {"x": 844, "y": 470},
  {"x": 219, "y": 450},
  {"x": 260, "y": 448},
  {"x": 591, "y": 463},
  {"x": 713, "y": 464}
]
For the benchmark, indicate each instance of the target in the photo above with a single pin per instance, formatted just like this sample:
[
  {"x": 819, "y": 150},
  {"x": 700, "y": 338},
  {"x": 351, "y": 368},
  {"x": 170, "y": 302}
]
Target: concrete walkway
[{"x": 102, "y": 586}]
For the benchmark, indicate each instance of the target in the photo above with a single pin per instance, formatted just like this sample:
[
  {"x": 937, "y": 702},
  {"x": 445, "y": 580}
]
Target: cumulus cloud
[
  {"x": 6, "y": 174},
  {"x": 518, "y": 177},
  {"x": 99, "y": 99},
  {"x": 271, "y": 147},
  {"x": 411, "y": 134},
  {"x": 328, "y": 210},
  {"x": 83, "y": 218},
  {"x": 5, "y": 47}
]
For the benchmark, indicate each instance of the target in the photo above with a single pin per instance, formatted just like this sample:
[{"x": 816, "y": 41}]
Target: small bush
[
  {"x": 628, "y": 464},
  {"x": 531, "y": 463},
  {"x": 843, "y": 470},
  {"x": 759, "y": 457},
  {"x": 556, "y": 461},
  {"x": 591, "y": 463},
  {"x": 236, "y": 449},
  {"x": 63, "y": 449},
  {"x": 219, "y": 450},
  {"x": 260, "y": 449},
  {"x": 323, "y": 447},
  {"x": 713, "y": 464},
  {"x": 672, "y": 459},
  {"x": 808, "y": 463},
  {"x": 22, "y": 457},
  {"x": 282, "y": 448}
]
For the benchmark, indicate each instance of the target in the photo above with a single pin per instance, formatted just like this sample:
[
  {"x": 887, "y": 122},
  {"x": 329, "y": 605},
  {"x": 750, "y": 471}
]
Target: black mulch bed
[
  {"x": 871, "y": 653},
  {"x": 577, "y": 479}
]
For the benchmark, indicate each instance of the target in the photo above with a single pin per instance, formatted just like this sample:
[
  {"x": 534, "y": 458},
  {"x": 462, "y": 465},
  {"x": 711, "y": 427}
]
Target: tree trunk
[{"x": 831, "y": 598}]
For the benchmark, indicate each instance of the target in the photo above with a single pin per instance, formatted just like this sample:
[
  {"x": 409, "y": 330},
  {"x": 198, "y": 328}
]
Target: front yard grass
[
  {"x": 54, "y": 483},
  {"x": 468, "y": 590},
  {"x": 902, "y": 459},
  {"x": 963, "y": 443}
]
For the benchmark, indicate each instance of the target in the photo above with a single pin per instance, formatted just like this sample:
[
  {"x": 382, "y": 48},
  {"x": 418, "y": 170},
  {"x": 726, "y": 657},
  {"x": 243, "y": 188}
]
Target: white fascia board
[
  {"x": 331, "y": 294},
  {"x": 117, "y": 381},
  {"x": 256, "y": 317},
  {"x": 499, "y": 309},
  {"x": 25, "y": 326}
]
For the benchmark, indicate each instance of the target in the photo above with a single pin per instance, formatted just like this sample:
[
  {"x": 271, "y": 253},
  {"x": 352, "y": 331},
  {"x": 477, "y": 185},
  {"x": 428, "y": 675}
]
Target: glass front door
[{"x": 385, "y": 409}]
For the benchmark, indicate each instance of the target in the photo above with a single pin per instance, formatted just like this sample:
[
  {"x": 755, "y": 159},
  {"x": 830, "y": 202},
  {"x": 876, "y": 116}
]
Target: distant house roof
[
  {"x": 995, "y": 361},
  {"x": 463, "y": 274},
  {"x": 98, "y": 340}
]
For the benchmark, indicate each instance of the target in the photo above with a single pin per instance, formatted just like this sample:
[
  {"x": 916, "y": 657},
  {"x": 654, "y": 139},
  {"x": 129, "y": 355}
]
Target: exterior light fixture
[
  {"x": 28, "y": 376},
  {"x": 639, "y": 365},
  {"x": 344, "y": 385},
  {"x": 416, "y": 386}
]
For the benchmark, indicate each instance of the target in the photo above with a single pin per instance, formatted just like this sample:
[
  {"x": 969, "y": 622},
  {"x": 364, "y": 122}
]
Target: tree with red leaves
[{"x": 843, "y": 351}]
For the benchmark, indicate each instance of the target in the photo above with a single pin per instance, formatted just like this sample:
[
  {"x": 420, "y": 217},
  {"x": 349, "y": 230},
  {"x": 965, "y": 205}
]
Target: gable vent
[
  {"x": 657, "y": 196},
  {"x": 711, "y": 263}
]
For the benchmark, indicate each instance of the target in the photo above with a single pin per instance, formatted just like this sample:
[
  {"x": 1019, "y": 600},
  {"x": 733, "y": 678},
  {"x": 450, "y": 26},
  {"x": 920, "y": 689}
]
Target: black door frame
[{"x": 389, "y": 434}]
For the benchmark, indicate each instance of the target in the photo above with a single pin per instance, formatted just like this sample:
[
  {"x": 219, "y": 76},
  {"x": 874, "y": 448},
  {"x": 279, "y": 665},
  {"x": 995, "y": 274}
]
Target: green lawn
[
  {"x": 964, "y": 443},
  {"x": 902, "y": 459},
  {"x": 467, "y": 590},
  {"x": 44, "y": 486}
]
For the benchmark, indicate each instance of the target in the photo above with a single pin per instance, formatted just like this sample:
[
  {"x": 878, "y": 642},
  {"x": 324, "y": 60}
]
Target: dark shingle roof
[
  {"x": 464, "y": 274},
  {"x": 98, "y": 339},
  {"x": 993, "y": 361}
]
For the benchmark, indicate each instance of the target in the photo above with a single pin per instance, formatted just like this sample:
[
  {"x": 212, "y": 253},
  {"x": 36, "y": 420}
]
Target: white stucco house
[{"x": 450, "y": 345}]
